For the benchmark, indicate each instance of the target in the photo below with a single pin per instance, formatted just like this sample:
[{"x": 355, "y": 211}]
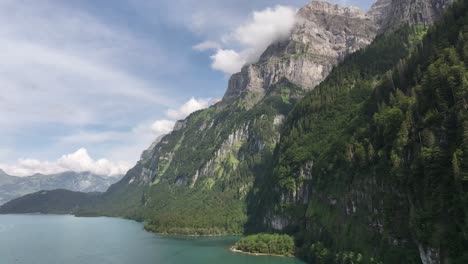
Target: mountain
[
  {"x": 206, "y": 168},
  {"x": 349, "y": 136},
  {"x": 325, "y": 34},
  {"x": 49, "y": 202},
  {"x": 372, "y": 163},
  {"x": 13, "y": 187},
  {"x": 6, "y": 179},
  {"x": 209, "y": 165}
]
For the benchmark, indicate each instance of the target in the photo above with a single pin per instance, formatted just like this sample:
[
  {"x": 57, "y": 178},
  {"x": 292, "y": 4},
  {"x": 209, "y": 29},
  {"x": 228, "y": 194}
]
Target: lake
[{"x": 58, "y": 239}]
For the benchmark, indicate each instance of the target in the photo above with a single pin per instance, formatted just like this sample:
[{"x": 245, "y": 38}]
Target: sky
[{"x": 88, "y": 85}]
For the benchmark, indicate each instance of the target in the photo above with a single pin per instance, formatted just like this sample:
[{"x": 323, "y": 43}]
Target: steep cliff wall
[
  {"x": 391, "y": 14},
  {"x": 380, "y": 154},
  {"x": 324, "y": 35}
]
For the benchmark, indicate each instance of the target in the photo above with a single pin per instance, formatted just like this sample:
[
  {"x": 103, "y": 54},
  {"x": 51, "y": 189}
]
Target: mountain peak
[
  {"x": 324, "y": 34},
  {"x": 332, "y": 8}
]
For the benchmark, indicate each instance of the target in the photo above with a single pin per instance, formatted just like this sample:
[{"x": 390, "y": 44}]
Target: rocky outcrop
[
  {"x": 429, "y": 255},
  {"x": 324, "y": 35},
  {"x": 226, "y": 153},
  {"x": 390, "y": 14}
]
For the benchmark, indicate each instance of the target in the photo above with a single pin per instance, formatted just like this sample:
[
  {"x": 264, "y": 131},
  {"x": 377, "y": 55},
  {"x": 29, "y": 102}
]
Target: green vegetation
[
  {"x": 214, "y": 204},
  {"x": 385, "y": 152},
  {"x": 49, "y": 202},
  {"x": 270, "y": 244}
]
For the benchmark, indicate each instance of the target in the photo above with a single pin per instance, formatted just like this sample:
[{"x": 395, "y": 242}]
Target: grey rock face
[
  {"x": 390, "y": 14},
  {"x": 429, "y": 255},
  {"x": 324, "y": 35}
]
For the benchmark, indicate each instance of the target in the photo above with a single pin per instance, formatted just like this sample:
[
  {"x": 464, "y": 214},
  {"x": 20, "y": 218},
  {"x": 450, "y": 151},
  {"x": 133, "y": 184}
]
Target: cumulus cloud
[
  {"x": 265, "y": 27},
  {"x": 79, "y": 161},
  {"x": 252, "y": 38},
  {"x": 132, "y": 141},
  {"x": 187, "y": 108},
  {"x": 228, "y": 61},
  {"x": 70, "y": 78},
  {"x": 143, "y": 133},
  {"x": 162, "y": 127}
]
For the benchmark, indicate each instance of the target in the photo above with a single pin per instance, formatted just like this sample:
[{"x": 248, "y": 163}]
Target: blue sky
[{"x": 89, "y": 84}]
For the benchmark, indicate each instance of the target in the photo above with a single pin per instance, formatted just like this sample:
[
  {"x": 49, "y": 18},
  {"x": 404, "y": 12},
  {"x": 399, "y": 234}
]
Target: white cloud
[
  {"x": 162, "y": 127},
  {"x": 189, "y": 107},
  {"x": 265, "y": 27},
  {"x": 70, "y": 79},
  {"x": 131, "y": 142},
  {"x": 79, "y": 161},
  {"x": 207, "y": 45},
  {"x": 252, "y": 38},
  {"x": 227, "y": 61}
]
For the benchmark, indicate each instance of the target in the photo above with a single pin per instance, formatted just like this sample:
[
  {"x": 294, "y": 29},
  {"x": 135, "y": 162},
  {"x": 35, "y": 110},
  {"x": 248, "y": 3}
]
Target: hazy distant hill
[
  {"x": 49, "y": 202},
  {"x": 12, "y": 187}
]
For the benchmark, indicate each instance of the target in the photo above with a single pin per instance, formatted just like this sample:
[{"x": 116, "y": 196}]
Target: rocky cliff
[
  {"x": 324, "y": 35},
  {"x": 391, "y": 14}
]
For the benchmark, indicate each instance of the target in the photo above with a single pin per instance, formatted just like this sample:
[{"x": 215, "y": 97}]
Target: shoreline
[
  {"x": 188, "y": 234},
  {"x": 192, "y": 235},
  {"x": 238, "y": 251},
  {"x": 232, "y": 249},
  {"x": 130, "y": 219}
]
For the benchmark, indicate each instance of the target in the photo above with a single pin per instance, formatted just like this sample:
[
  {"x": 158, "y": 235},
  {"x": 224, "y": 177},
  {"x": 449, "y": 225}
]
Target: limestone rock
[
  {"x": 324, "y": 35},
  {"x": 390, "y": 14}
]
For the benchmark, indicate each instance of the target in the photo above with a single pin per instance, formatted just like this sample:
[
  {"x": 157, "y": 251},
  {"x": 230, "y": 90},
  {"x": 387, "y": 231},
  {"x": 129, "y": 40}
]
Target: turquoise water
[{"x": 51, "y": 239}]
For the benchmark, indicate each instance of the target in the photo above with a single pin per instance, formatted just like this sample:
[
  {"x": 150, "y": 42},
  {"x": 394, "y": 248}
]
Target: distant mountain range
[{"x": 12, "y": 187}]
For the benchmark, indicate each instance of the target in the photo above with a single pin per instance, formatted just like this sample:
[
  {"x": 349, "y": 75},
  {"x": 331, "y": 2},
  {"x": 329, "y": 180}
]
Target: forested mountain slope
[
  {"x": 380, "y": 172},
  {"x": 49, "y": 202}
]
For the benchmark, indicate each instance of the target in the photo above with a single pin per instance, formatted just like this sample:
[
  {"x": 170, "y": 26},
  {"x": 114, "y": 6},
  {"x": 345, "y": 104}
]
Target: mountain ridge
[
  {"x": 319, "y": 24},
  {"x": 13, "y": 186}
]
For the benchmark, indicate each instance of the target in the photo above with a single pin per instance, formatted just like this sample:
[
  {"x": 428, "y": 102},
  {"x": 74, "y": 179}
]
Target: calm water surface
[{"x": 50, "y": 239}]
